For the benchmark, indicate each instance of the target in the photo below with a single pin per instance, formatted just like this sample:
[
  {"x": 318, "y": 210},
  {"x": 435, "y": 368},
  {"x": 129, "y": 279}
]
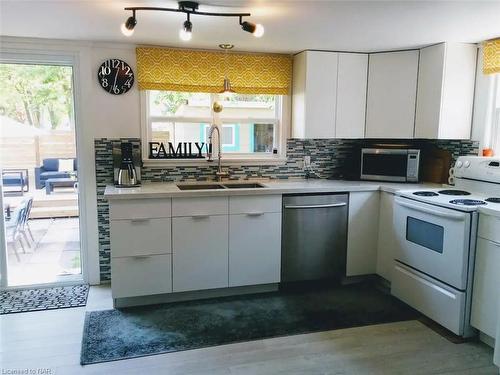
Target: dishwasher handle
[{"x": 331, "y": 205}]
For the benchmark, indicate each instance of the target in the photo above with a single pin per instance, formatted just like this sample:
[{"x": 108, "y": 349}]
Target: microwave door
[{"x": 384, "y": 166}]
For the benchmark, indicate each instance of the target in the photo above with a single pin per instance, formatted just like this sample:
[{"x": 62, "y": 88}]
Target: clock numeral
[
  {"x": 104, "y": 82},
  {"x": 116, "y": 90},
  {"x": 127, "y": 68},
  {"x": 115, "y": 63},
  {"x": 128, "y": 82},
  {"x": 105, "y": 70}
]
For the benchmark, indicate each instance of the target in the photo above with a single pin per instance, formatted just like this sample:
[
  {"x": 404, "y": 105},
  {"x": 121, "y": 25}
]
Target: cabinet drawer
[
  {"x": 199, "y": 206},
  {"x": 141, "y": 276},
  {"x": 140, "y": 209},
  {"x": 438, "y": 301},
  {"x": 488, "y": 227},
  {"x": 140, "y": 237},
  {"x": 254, "y": 204}
]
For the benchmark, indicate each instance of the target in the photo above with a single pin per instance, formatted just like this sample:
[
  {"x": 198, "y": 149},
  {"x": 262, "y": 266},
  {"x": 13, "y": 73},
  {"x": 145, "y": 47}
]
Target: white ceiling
[{"x": 290, "y": 25}]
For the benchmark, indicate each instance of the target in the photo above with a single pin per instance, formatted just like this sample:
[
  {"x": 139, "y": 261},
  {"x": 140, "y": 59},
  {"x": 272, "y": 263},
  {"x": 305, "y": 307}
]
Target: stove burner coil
[
  {"x": 467, "y": 202},
  {"x": 493, "y": 200},
  {"x": 425, "y": 194},
  {"x": 453, "y": 192}
]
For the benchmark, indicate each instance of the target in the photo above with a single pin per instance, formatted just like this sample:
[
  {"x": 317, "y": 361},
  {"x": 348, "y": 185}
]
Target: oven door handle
[{"x": 450, "y": 215}]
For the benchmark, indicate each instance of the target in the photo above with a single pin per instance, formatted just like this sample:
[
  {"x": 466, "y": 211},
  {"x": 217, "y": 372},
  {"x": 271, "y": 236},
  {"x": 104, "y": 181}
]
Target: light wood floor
[{"x": 51, "y": 340}]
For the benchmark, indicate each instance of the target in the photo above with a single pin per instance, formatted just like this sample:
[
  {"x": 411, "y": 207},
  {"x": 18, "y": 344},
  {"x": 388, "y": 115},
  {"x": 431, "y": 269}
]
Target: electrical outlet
[{"x": 307, "y": 161}]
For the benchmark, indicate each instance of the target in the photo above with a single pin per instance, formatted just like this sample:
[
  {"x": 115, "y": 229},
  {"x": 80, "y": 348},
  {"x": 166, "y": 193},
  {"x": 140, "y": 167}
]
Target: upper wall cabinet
[
  {"x": 329, "y": 95},
  {"x": 445, "y": 91},
  {"x": 392, "y": 91}
]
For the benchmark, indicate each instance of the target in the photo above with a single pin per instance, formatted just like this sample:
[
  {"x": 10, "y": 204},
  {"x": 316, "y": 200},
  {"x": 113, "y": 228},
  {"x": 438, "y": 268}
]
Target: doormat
[
  {"x": 24, "y": 300},
  {"x": 112, "y": 335}
]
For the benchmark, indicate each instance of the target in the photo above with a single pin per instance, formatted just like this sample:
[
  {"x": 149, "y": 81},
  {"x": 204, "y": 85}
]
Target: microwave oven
[{"x": 384, "y": 164}]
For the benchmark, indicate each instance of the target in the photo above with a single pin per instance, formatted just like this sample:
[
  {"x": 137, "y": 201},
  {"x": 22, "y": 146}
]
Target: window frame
[{"x": 281, "y": 124}]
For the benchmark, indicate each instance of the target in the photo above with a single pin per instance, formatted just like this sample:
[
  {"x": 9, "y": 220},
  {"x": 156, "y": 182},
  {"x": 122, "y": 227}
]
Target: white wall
[{"x": 98, "y": 115}]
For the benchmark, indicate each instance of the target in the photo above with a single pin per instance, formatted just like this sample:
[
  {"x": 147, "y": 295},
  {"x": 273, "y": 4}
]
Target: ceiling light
[
  {"x": 189, "y": 8},
  {"x": 227, "y": 90},
  {"x": 186, "y": 33},
  {"x": 256, "y": 29},
  {"x": 128, "y": 27}
]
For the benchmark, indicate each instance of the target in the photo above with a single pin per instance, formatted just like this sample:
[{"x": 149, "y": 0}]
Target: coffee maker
[{"x": 127, "y": 164}]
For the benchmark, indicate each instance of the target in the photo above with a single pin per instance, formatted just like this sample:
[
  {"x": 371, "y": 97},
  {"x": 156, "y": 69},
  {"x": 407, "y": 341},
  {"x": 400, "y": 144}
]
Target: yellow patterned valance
[
  {"x": 203, "y": 71},
  {"x": 491, "y": 56}
]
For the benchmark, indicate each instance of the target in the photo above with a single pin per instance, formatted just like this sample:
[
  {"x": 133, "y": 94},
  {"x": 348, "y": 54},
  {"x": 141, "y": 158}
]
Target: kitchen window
[
  {"x": 251, "y": 125},
  {"x": 496, "y": 118}
]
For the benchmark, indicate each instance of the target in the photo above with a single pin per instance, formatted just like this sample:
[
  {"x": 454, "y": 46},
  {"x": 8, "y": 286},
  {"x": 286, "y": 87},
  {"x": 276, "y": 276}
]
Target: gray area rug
[
  {"x": 111, "y": 335},
  {"x": 24, "y": 300}
]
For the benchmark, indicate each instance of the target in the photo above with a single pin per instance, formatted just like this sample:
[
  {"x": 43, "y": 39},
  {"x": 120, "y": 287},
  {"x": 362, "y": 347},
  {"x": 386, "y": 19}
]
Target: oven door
[{"x": 433, "y": 240}]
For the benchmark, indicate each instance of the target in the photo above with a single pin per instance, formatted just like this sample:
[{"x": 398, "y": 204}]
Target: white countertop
[{"x": 290, "y": 186}]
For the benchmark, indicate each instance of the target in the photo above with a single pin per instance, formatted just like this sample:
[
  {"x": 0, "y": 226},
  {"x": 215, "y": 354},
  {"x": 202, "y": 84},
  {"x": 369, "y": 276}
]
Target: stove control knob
[
  {"x": 458, "y": 164},
  {"x": 466, "y": 164}
]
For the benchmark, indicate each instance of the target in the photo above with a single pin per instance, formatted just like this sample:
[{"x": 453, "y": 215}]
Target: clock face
[{"x": 115, "y": 76}]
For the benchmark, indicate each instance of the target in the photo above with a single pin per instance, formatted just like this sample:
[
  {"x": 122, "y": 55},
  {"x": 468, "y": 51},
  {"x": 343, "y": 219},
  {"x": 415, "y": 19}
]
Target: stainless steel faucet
[{"x": 220, "y": 173}]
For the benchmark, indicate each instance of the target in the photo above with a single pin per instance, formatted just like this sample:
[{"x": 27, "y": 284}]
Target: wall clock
[{"x": 115, "y": 76}]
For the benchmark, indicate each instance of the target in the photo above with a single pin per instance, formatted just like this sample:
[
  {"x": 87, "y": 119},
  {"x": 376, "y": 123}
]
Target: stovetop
[{"x": 454, "y": 198}]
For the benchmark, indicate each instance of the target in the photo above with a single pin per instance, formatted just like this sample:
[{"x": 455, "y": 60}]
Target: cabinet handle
[
  {"x": 255, "y": 213},
  {"x": 200, "y": 217},
  {"x": 139, "y": 221},
  {"x": 293, "y": 207}
]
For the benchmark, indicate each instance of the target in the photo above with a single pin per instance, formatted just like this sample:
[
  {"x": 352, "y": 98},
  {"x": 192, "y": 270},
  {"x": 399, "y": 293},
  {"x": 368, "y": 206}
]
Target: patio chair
[
  {"x": 25, "y": 225},
  {"x": 14, "y": 228}
]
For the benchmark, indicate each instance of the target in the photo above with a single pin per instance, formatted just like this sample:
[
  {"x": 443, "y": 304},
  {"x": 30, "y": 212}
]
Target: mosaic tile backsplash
[{"x": 330, "y": 158}]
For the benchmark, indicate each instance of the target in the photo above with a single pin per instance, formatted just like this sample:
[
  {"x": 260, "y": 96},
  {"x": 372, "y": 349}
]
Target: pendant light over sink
[
  {"x": 191, "y": 8},
  {"x": 226, "y": 87}
]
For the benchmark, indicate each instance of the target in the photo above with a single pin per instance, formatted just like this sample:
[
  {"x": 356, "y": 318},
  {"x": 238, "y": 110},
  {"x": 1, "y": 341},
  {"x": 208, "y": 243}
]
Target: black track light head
[
  {"x": 186, "y": 32},
  {"x": 128, "y": 27},
  {"x": 256, "y": 29}
]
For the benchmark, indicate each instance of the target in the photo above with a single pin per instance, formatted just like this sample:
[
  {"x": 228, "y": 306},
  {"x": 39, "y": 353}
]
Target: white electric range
[{"x": 436, "y": 231}]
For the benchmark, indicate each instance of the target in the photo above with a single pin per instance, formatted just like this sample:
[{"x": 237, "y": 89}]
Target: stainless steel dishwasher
[{"x": 314, "y": 238}]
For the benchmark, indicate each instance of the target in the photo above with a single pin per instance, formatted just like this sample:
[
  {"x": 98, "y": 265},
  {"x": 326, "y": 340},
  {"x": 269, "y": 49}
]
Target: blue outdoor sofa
[{"x": 50, "y": 169}]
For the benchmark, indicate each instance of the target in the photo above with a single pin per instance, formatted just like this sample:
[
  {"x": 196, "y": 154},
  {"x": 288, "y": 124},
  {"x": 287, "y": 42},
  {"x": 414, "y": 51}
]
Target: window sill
[{"x": 279, "y": 160}]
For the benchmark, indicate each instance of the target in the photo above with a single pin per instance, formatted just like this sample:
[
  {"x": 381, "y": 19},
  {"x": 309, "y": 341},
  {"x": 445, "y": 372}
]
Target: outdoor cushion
[
  {"x": 51, "y": 164},
  {"x": 47, "y": 175},
  {"x": 66, "y": 165}
]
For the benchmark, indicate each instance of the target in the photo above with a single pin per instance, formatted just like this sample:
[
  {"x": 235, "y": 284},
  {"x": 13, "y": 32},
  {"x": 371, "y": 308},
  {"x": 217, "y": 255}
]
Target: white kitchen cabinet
[
  {"x": 254, "y": 248},
  {"x": 391, "y": 98},
  {"x": 141, "y": 275},
  {"x": 445, "y": 94},
  {"x": 485, "y": 293},
  {"x": 387, "y": 239},
  {"x": 351, "y": 95},
  {"x": 362, "y": 233},
  {"x": 200, "y": 252},
  {"x": 314, "y": 94}
]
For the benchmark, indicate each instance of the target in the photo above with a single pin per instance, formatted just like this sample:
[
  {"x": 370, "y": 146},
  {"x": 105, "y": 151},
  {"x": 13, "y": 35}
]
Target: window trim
[{"x": 281, "y": 130}]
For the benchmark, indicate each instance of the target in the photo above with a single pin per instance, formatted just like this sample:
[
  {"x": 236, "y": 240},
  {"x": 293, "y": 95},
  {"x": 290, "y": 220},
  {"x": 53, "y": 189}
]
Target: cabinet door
[
  {"x": 200, "y": 252},
  {"x": 351, "y": 95},
  {"x": 484, "y": 315},
  {"x": 392, "y": 89},
  {"x": 387, "y": 240},
  {"x": 430, "y": 89},
  {"x": 254, "y": 249},
  {"x": 314, "y": 94},
  {"x": 362, "y": 233}
]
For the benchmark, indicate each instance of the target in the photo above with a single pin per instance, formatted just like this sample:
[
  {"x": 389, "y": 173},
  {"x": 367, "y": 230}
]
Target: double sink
[{"x": 216, "y": 186}]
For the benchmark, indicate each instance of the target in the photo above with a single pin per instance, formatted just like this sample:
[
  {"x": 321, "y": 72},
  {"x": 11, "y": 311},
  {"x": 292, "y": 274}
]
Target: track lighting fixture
[
  {"x": 189, "y": 8},
  {"x": 186, "y": 33},
  {"x": 256, "y": 29},
  {"x": 128, "y": 26}
]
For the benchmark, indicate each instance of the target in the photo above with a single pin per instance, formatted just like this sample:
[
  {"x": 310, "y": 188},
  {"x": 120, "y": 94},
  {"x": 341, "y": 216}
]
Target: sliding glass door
[{"x": 39, "y": 172}]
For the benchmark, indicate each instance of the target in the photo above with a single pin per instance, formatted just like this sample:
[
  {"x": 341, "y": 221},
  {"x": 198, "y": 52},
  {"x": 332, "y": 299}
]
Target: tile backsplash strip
[{"x": 330, "y": 158}]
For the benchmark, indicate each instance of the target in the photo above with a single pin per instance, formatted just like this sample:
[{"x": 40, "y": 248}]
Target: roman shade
[
  {"x": 203, "y": 71},
  {"x": 491, "y": 56}
]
